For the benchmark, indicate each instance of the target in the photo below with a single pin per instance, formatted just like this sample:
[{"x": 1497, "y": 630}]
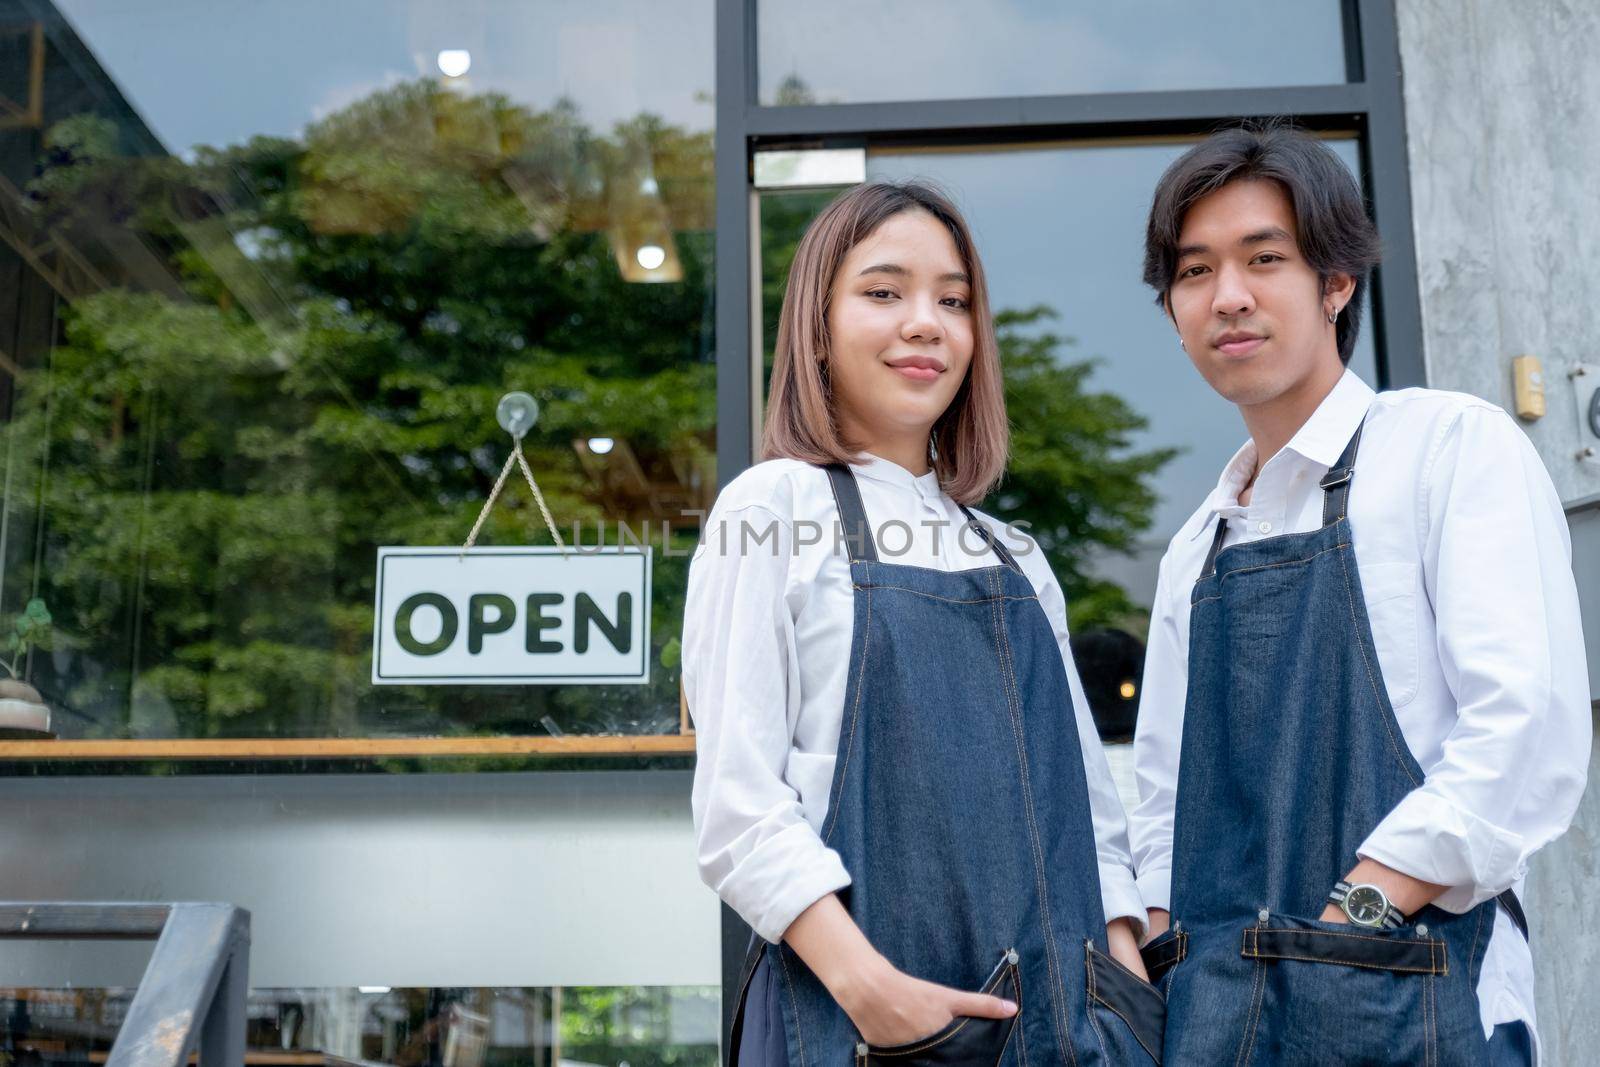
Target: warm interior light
[
  {"x": 454, "y": 62},
  {"x": 1127, "y": 690},
  {"x": 651, "y": 257},
  {"x": 378, "y": 989},
  {"x": 601, "y": 445}
]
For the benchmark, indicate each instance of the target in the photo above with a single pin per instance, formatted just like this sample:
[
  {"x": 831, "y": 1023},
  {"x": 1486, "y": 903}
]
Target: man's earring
[
  {"x": 1182, "y": 345},
  {"x": 1333, "y": 316}
]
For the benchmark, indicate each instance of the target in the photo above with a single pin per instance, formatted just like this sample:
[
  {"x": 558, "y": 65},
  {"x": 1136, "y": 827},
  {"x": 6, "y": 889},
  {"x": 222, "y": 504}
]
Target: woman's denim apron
[
  {"x": 960, "y": 808},
  {"x": 1291, "y": 757}
]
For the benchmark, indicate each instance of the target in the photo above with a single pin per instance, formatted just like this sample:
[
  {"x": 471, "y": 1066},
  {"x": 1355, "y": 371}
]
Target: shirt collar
[
  {"x": 1330, "y": 427},
  {"x": 1225, "y": 496},
  {"x": 879, "y": 469},
  {"x": 1321, "y": 440}
]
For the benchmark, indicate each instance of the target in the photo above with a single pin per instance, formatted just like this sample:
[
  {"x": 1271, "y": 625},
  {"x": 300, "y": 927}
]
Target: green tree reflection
[{"x": 294, "y": 357}]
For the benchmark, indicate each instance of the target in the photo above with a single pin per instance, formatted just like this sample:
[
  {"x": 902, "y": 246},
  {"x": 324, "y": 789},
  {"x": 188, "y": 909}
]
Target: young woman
[{"x": 899, "y": 785}]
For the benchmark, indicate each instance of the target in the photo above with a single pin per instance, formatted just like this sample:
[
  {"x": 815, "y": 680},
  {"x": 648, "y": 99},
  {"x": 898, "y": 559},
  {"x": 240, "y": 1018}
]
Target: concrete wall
[{"x": 1503, "y": 130}]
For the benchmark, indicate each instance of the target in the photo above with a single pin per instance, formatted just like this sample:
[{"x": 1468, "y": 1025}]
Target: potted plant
[{"x": 23, "y": 711}]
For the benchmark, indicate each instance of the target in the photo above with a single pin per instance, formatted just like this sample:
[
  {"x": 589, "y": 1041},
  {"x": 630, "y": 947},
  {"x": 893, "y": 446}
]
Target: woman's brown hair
[{"x": 970, "y": 441}]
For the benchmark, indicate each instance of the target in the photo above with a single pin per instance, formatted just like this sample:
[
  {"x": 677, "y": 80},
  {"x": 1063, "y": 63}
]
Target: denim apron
[
  {"x": 960, "y": 808},
  {"x": 1291, "y": 757}
]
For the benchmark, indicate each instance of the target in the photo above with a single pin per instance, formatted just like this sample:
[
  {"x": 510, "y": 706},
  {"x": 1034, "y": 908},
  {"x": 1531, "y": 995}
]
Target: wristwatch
[{"x": 1367, "y": 905}]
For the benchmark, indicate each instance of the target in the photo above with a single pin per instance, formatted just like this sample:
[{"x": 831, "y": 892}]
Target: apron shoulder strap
[
  {"x": 1336, "y": 483},
  {"x": 852, "y": 514},
  {"x": 1210, "y": 567},
  {"x": 1335, "y": 499},
  {"x": 994, "y": 542},
  {"x": 1508, "y": 900}
]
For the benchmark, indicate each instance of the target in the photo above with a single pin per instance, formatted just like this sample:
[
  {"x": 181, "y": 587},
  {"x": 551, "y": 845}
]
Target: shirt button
[{"x": 1264, "y": 527}]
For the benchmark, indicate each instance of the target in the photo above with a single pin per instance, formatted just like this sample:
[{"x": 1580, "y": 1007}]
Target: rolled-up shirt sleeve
[
  {"x": 1157, "y": 743},
  {"x": 753, "y": 843},
  {"x": 1497, "y": 569}
]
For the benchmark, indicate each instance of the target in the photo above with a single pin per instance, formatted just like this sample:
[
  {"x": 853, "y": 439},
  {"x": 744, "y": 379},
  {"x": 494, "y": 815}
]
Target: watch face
[{"x": 1365, "y": 905}]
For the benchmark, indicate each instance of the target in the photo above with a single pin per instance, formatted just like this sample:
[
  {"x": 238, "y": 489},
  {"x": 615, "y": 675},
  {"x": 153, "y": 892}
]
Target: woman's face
[{"x": 900, "y": 330}]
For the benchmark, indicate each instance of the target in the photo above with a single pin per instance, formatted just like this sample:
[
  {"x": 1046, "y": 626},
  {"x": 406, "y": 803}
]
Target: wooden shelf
[{"x": 243, "y": 748}]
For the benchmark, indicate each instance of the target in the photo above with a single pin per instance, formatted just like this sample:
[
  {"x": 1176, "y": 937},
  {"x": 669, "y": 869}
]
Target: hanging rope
[{"x": 518, "y": 458}]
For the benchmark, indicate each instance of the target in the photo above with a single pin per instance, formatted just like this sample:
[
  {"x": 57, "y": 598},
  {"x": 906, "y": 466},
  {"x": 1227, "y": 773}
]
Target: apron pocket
[
  {"x": 967, "y": 1041},
  {"x": 1129, "y": 1013},
  {"x": 1163, "y": 953},
  {"x": 1330, "y": 992},
  {"x": 1400, "y": 951}
]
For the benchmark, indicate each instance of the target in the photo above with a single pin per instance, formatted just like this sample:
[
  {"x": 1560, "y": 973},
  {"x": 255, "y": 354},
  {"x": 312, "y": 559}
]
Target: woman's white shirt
[{"x": 766, "y": 651}]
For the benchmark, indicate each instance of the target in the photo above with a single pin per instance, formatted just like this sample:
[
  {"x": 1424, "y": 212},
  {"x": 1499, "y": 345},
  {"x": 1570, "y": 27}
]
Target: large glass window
[
  {"x": 268, "y": 267},
  {"x": 838, "y": 51},
  {"x": 1116, "y": 437}
]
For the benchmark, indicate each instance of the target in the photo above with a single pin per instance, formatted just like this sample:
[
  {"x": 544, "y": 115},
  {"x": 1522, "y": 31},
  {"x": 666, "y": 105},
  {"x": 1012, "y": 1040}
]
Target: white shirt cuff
[
  {"x": 1155, "y": 888},
  {"x": 782, "y": 877},
  {"x": 1428, "y": 837},
  {"x": 1120, "y": 894}
]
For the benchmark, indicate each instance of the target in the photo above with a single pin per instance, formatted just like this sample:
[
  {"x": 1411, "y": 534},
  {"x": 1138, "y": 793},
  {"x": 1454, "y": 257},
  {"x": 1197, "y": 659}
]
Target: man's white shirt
[{"x": 1464, "y": 557}]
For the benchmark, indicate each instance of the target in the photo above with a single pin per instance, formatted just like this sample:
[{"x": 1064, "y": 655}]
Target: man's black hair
[{"x": 1335, "y": 233}]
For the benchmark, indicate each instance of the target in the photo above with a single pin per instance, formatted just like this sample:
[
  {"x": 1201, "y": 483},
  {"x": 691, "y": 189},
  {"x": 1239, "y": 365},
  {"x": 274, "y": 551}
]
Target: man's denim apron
[
  {"x": 960, "y": 808},
  {"x": 1291, "y": 757}
]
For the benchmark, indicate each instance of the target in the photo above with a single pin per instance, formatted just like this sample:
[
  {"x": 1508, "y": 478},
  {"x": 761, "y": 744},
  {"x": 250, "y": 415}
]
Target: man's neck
[{"x": 1274, "y": 423}]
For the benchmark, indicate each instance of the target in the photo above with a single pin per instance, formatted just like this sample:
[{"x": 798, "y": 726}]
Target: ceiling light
[{"x": 454, "y": 62}]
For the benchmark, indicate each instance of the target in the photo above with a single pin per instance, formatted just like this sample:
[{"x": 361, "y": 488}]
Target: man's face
[{"x": 1252, "y": 313}]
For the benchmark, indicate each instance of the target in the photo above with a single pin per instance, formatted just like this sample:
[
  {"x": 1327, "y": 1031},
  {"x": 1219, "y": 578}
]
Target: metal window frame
[{"x": 1371, "y": 103}]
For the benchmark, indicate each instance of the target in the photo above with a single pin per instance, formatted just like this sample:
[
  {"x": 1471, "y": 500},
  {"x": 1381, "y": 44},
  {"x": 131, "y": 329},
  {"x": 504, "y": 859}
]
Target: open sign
[{"x": 512, "y": 616}]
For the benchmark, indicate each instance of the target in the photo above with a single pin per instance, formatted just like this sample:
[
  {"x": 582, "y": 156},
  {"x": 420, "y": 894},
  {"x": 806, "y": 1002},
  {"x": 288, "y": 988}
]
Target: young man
[{"x": 1365, "y": 704}]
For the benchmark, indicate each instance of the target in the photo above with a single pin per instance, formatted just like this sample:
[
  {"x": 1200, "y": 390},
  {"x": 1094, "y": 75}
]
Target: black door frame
[{"x": 1370, "y": 103}]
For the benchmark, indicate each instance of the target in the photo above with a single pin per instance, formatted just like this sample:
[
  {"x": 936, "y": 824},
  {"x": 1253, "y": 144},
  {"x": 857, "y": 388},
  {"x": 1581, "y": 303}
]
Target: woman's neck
[
  {"x": 908, "y": 449},
  {"x": 910, "y": 454}
]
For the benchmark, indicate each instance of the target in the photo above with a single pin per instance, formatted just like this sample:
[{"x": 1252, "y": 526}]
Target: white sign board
[{"x": 512, "y": 616}]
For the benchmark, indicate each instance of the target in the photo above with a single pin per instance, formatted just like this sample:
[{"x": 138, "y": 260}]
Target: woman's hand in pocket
[
  {"x": 888, "y": 1006},
  {"x": 891, "y": 1007},
  {"x": 1124, "y": 946}
]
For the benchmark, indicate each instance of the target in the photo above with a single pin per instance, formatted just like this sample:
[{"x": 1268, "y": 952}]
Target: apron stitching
[
  {"x": 1013, "y": 709},
  {"x": 1427, "y": 1056},
  {"x": 1088, "y": 1004},
  {"x": 923, "y": 1046},
  {"x": 1396, "y": 968},
  {"x": 1334, "y": 933},
  {"x": 952, "y": 600},
  {"x": 741, "y": 999},
  {"x": 1431, "y": 1037},
  {"x": 855, "y": 717},
  {"x": 1219, "y": 575},
  {"x": 1022, "y": 1031},
  {"x": 788, "y": 986},
  {"x": 1428, "y": 1009},
  {"x": 1430, "y": 1042},
  {"x": 1256, "y": 993},
  {"x": 1477, "y": 932},
  {"x": 1384, "y": 712}
]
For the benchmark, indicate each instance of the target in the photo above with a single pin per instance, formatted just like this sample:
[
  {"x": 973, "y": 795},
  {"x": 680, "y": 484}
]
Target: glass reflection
[
  {"x": 264, "y": 288},
  {"x": 402, "y": 1027},
  {"x": 841, "y": 52},
  {"x": 1062, "y": 228},
  {"x": 1117, "y": 438}
]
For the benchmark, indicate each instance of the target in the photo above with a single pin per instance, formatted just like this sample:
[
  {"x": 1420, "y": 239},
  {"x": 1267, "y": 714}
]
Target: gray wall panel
[
  {"x": 1503, "y": 130},
  {"x": 560, "y": 878}
]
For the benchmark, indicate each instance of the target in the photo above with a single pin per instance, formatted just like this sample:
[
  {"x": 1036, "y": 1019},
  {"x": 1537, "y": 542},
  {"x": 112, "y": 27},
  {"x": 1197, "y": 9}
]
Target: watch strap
[{"x": 1393, "y": 918}]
